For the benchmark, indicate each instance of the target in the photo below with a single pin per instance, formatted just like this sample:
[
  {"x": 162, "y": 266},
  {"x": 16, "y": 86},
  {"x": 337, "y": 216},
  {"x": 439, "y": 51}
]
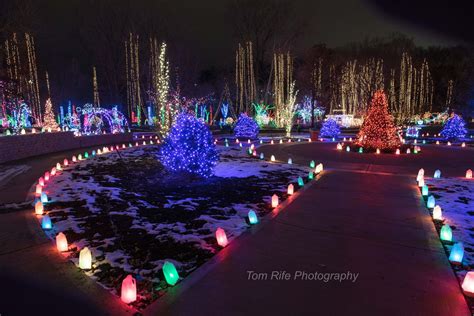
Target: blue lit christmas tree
[
  {"x": 454, "y": 127},
  {"x": 330, "y": 128},
  {"x": 246, "y": 127},
  {"x": 189, "y": 147}
]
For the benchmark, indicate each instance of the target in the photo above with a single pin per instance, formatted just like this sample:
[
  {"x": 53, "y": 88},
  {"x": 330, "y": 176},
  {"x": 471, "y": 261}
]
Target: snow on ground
[
  {"x": 134, "y": 215},
  {"x": 455, "y": 196},
  {"x": 7, "y": 172}
]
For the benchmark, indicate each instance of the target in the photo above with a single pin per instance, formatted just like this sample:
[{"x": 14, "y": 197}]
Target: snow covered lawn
[
  {"x": 134, "y": 215},
  {"x": 455, "y": 196}
]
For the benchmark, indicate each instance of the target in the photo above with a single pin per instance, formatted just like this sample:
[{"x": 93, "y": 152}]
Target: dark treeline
[{"x": 73, "y": 36}]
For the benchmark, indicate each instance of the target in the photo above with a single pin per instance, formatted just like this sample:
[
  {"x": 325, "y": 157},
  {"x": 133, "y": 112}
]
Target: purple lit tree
[
  {"x": 454, "y": 127},
  {"x": 246, "y": 127},
  {"x": 330, "y": 128},
  {"x": 189, "y": 147}
]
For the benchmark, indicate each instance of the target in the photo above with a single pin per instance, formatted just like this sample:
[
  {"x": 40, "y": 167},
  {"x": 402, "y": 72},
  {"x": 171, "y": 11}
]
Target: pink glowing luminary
[
  {"x": 61, "y": 242},
  {"x": 129, "y": 290},
  {"x": 221, "y": 237}
]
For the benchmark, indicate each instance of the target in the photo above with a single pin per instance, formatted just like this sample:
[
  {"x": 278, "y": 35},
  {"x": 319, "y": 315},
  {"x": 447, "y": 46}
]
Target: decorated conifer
[
  {"x": 246, "y": 127},
  {"x": 330, "y": 128},
  {"x": 49, "y": 122},
  {"x": 378, "y": 130},
  {"x": 454, "y": 127}
]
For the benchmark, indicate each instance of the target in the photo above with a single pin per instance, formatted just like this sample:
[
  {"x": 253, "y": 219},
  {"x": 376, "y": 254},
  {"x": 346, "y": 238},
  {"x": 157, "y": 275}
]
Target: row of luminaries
[{"x": 129, "y": 288}]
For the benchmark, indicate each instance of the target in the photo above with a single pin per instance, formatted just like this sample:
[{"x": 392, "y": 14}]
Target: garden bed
[{"x": 134, "y": 215}]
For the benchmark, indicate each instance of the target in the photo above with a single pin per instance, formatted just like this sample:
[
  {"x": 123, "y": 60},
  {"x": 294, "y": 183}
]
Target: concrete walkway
[{"x": 354, "y": 221}]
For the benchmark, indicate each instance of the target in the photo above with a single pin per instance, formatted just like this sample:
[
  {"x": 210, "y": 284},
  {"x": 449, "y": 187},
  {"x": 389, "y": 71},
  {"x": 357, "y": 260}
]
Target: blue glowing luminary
[
  {"x": 300, "y": 181},
  {"x": 424, "y": 190},
  {"x": 457, "y": 253},
  {"x": 431, "y": 202},
  {"x": 253, "y": 219},
  {"x": 46, "y": 222},
  {"x": 437, "y": 174},
  {"x": 290, "y": 161},
  {"x": 446, "y": 234}
]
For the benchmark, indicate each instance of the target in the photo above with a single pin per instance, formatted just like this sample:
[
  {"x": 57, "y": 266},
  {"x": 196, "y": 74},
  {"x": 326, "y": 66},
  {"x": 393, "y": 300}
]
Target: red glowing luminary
[
  {"x": 129, "y": 290},
  {"x": 74, "y": 159},
  {"x": 468, "y": 284},
  {"x": 41, "y": 181},
  {"x": 65, "y": 162},
  {"x": 274, "y": 200},
  {"x": 46, "y": 176},
  {"x": 53, "y": 171},
  {"x": 221, "y": 237}
]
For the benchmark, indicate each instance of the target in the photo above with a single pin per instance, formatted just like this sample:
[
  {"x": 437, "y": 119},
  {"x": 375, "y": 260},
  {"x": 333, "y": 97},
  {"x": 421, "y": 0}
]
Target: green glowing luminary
[
  {"x": 311, "y": 175},
  {"x": 300, "y": 181},
  {"x": 424, "y": 190},
  {"x": 170, "y": 273},
  {"x": 361, "y": 150},
  {"x": 312, "y": 164},
  {"x": 86, "y": 155},
  {"x": 446, "y": 234}
]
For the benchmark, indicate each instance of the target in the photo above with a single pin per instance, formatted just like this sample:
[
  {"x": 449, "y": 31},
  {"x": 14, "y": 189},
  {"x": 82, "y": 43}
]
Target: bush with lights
[
  {"x": 454, "y": 127},
  {"x": 246, "y": 127},
  {"x": 378, "y": 130},
  {"x": 330, "y": 129},
  {"x": 189, "y": 147}
]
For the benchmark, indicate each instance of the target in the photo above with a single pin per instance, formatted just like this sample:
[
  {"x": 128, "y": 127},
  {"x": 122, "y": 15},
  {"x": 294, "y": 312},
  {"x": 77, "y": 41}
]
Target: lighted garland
[
  {"x": 189, "y": 147},
  {"x": 246, "y": 127}
]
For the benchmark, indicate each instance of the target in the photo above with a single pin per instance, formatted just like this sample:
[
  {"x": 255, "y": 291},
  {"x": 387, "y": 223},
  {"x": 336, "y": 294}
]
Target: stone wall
[{"x": 23, "y": 146}]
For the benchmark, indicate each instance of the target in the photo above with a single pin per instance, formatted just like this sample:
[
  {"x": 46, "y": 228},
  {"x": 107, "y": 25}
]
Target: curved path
[{"x": 364, "y": 215}]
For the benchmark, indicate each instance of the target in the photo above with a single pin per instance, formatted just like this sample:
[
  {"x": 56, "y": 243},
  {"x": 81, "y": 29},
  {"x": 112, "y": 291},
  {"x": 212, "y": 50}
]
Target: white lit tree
[{"x": 49, "y": 121}]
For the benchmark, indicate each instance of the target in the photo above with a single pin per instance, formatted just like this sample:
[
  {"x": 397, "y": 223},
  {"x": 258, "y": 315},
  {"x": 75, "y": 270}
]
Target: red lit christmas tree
[
  {"x": 378, "y": 130},
  {"x": 49, "y": 121}
]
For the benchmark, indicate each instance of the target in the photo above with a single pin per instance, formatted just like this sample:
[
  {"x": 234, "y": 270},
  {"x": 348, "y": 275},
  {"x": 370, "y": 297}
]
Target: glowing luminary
[
  {"x": 39, "y": 208},
  {"x": 33, "y": 131},
  {"x": 170, "y": 273},
  {"x": 74, "y": 159},
  {"x": 262, "y": 156},
  {"x": 311, "y": 175},
  {"x": 254, "y": 153},
  {"x": 61, "y": 242},
  {"x": 221, "y": 237},
  {"x": 469, "y": 174},
  {"x": 468, "y": 284},
  {"x": 397, "y": 152},
  {"x": 240, "y": 145},
  {"x": 281, "y": 141},
  {"x": 38, "y": 190},
  {"x": 46, "y": 222},
  {"x": 437, "y": 174},
  {"x": 65, "y": 162},
  {"x": 129, "y": 290},
  {"x": 437, "y": 213},
  {"x": 58, "y": 166},
  {"x": 449, "y": 143},
  {"x": 79, "y": 157},
  {"x": 93, "y": 153},
  {"x": 431, "y": 202},
  {"x": 424, "y": 141},
  {"x": 289, "y": 140},
  {"x": 236, "y": 140},
  {"x": 291, "y": 189},
  {"x": 46, "y": 176},
  {"x": 415, "y": 141},
  {"x": 339, "y": 146},
  {"x": 85, "y": 259},
  {"x": 86, "y": 155},
  {"x": 252, "y": 146},
  {"x": 272, "y": 142},
  {"x": 420, "y": 175},
  {"x": 312, "y": 164},
  {"x": 309, "y": 140},
  {"x": 44, "y": 198},
  {"x": 53, "y": 171},
  {"x": 437, "y": 142},
  {"x": 350, "y": 139},
  {"x": 22, "y": 132},
  {"x": 272, "y": 158},
  {"x": 290, "y": 161},
  {"x": 253, "y": 219},
  {"x": 123, "y": 146},
  {"x": 261, "y": 141},
  {"x": 421, "y": 182},
  {"x": 274, "y": 200},
  {"x": 463, "y": 144},
  {"x": 446, "y": 233},
  {"x": 300, "y": 181},
  {"x": 457, "y": 253},
  {"x": 41, "y": 181},
  {"x": 424, "y": 190},
  {"x": 319, "y": 168},
  {"x": 377, "y": 151},
  {"x": 361, "y": 150},
  {"x": 408, "y": 151},
  {"x": 136, "y": 144},
  {"x": 348, "y": 148},
  {"x": 344, "y": 139}
]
